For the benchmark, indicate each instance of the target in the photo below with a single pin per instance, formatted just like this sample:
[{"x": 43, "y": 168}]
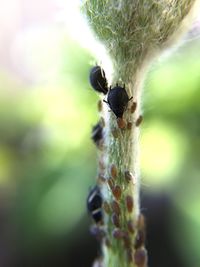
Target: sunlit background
[{"x": 47, "y": 160}]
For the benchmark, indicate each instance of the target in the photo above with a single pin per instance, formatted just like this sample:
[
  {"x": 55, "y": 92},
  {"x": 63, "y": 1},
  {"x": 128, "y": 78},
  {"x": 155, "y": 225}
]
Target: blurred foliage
[
  {"x": 172, "y": 143},
  {"x": 47, "y": 161}
]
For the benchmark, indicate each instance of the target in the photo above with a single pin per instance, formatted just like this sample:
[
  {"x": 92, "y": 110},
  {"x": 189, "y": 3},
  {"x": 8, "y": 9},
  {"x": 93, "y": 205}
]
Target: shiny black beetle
[
  {"x": 98, "y": 80},
  {"x": 118, "y": 100},
  {"x": 94, "y": 204}
]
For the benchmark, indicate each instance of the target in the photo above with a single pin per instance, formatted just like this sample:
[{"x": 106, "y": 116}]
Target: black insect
[
  {"x": 94, "y": 204},
  {"x": 118, "y": 100},
  {"x": 98, "y": 80},
  {"x": 97, "y": 134}
]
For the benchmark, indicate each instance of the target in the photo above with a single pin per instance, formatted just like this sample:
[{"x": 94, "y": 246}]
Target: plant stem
[
  {"x": 133, "y": 32},
  {"x": 121, "y": 150}
]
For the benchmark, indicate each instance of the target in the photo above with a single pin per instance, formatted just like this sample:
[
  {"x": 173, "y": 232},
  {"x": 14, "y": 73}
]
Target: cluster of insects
[
  {"x": 117, "y": 97},
  {"x": 117, "y": 100},
  {"x": 123, "y": 231}
]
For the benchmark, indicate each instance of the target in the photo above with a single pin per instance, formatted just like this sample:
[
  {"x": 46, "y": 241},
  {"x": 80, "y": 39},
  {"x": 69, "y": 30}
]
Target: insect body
[
  {"x": 139, "y": 120},
  {"x": 94, "y": 204},
  {"x": 97, "y": 134},
  {"x": 129, "y": 203},
  {"x": 118, "y": 100},
  {"x": 98, "y": 80}
]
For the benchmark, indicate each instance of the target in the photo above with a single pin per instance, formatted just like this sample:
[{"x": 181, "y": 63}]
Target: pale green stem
[{"x": 133, "y": 32}]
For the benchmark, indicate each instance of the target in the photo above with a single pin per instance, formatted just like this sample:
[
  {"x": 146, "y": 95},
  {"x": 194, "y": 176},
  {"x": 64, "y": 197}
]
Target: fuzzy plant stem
[{"x": 133, "y": 32}]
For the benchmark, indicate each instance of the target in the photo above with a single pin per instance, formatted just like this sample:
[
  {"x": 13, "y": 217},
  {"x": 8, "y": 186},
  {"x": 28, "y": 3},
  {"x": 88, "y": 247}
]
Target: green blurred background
[{"x": 48, "y": 162}]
